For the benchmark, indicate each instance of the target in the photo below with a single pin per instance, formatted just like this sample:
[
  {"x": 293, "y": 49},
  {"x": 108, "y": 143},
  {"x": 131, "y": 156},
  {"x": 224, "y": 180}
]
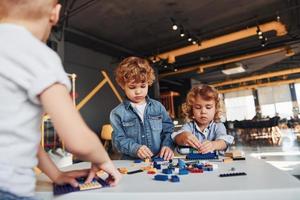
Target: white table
[{"x": 263, "y": 181}]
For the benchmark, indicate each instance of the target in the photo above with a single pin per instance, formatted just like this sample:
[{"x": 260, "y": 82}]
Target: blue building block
[
  {"x": 137, "y": 161},
  {"x": 161, "y": 177},
  {"x": 175, "y": 178},
  {"x": 167, "y": 171},
  {"x": 199, "y": 166},
  {"x": 157, "y": 159},
  {"x": 181, "y": 164},
  {"x": 200, "y": 156},
  {"x": 157, "y": 166},
  {"x": 183, "y": 172}
]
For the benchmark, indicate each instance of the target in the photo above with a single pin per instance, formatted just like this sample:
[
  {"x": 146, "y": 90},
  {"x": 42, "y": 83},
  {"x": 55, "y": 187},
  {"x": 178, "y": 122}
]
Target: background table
[{"x": 263, "y": 181}]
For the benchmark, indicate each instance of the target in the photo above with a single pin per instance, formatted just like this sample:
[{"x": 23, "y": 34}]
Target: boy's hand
[
  {"x": 69, "y": 177},
  {"x": 206, "y": 147},
  {"x": 166, "y": 153},
  {"x": 188, "y": 139},
  {"x": 109, "y": 168},
  {"x": 144, "y": 152}
]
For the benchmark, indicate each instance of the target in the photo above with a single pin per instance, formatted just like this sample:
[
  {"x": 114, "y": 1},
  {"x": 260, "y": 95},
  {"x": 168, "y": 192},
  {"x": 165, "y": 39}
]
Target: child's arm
[
  {"x": 209, "y": 146},
  {"x": 122, "y": 143},
  {"x": 49, "y": 168},
  {"x": 186, "y": 138},
  {"x": 78, "y": 138},
  {"x": 167, "y": 146}
]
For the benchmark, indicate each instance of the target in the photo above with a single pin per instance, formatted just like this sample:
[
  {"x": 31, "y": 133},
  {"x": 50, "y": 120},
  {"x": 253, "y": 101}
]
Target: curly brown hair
[
  {"x": 206, "y": 92},
  {"x": 134, "y": 68}
]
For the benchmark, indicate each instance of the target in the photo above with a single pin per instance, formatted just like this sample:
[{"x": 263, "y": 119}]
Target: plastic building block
[
  {"x": 181, "y": 164},
  {"x": 156, "y": 165},
  {"x": 123, "y": 170},
  {"x": 161, "y": 177},
  {"x": 135, "y": 171},
  {"x": 233, "y": 174},
  {"x": 186, "y": 150},
  {"x": 239, "y": 158},
  {"x": 167, "y": 171},
  {"x": 175, "y": 179},
  {"x": 152, "y": 171},
  {"x": 137, "y": 161},
  {"x": 196, "y": 170},
  {"x": 67, "y": 188},
  {"x": 199, "y": 166},
  {"x": 183, "y": 172},
  {"x": 157, "y": 159},
  {"x": 227, "y": 160},
  {"x": 200, "y": 156}
]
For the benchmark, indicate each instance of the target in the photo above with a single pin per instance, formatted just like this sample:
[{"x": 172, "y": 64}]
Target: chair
[{"x": 106, "y": 133}]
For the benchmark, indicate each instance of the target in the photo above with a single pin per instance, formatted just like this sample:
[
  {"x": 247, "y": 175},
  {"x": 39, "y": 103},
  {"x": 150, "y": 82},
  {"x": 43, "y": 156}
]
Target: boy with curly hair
[{"x": 142, "y": 127}]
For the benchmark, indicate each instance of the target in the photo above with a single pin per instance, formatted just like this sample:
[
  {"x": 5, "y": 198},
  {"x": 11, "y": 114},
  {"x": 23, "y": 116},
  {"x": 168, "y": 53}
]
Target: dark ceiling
[{"x": 144, "y": 28}]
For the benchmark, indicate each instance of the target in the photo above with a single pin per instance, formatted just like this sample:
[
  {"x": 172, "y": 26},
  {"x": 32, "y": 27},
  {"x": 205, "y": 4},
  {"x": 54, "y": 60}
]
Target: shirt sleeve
[
  {"x": 37, "y": 69},
  {"x": 221, "y": 134},
  {"x": 186, "y": 127}
]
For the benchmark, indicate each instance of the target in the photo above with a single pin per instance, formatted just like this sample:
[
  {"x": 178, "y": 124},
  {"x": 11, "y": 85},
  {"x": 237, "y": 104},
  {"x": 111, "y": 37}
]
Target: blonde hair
[
  {"x": 134, "y": 68},
  {"x": 207, "y": 93},
  {"x": 26, "y": 9}
]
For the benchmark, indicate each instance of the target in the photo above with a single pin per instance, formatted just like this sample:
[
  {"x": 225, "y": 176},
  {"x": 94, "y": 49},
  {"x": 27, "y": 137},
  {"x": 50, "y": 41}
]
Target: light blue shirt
[{"x": 214, "y": 131}]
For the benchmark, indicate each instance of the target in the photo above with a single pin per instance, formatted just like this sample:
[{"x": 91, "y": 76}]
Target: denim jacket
[{"x": 130, "y": 132}]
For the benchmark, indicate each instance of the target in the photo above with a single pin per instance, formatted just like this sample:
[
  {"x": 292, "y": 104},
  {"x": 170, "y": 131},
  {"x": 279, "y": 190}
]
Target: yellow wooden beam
[
  {"x": 201, "y": 68},
  {"x": 270, "y": 26},
  {"x": 254, "y": 86},
  {"x": 112, "y": 86},
  {"x": 257, "y": 77}
]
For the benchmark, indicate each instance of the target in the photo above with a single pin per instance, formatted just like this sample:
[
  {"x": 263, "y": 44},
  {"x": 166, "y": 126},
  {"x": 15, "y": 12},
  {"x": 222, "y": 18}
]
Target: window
[
  {"x": 239, "y": 105},
  {"x": 297, "y": 88},
  {"x": 275, "y": 100}
]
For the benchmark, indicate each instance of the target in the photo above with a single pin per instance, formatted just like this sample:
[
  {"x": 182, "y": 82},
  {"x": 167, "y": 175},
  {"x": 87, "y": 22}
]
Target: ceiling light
[
  {"x": 174, "y": 25},
  {"x": 235, "y": 70},
  {"x": 258, "y": 31},
  {"x": 194, "y": 42},
  {"x": 260, "y": 37},
  {"x": 181, "y": 31}
]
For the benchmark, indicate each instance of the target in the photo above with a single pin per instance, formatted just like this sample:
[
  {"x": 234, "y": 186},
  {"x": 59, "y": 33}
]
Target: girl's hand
[
  {"x": 188, "y": 139},
  {"x": 206, "y": 147}
]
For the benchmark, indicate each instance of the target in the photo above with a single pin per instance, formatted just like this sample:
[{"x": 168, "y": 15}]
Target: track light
[
  {"x": 181, "y": 31},
  {"x": 194, "y": 42},
  {"x": 189, "y": 37},
  {"x": 174, "y": 25},
  {"x": 258, "y": 31}
]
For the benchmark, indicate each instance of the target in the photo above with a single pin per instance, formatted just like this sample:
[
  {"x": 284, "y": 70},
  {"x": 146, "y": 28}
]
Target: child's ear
[{"x": 55, "y": 14}]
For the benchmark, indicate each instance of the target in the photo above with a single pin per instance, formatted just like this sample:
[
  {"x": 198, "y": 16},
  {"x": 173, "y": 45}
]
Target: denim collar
[{"x": 127, "y": 102}]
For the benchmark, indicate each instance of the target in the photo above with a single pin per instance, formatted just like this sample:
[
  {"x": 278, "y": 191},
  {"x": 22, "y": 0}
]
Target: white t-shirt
[
  {"x": 140, "y": 109},
  {"x": 27, "y": 67}
]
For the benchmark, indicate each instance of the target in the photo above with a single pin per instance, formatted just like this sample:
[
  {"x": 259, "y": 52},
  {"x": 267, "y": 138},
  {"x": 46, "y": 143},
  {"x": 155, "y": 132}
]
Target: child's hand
[
  {"x": 207, "y": 146},
  {"x": 69, "y": 177},
  {"x": 188, "y": 139},
  {"x": 144, "y": 152},
  {"x": 109, "y": 168},
  {"x": 166, "y": 153}
]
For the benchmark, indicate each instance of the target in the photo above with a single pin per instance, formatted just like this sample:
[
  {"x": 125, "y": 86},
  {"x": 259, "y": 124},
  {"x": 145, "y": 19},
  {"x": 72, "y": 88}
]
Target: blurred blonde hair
[
  {"x": 134, "y": 68},
  {"x": 207, "y": 93},
  {"x": 25, "y": 9}
]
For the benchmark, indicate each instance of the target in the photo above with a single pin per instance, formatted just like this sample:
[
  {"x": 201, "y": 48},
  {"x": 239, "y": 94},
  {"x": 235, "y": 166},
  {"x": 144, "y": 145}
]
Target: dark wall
[{"x": 87, "y": 65}]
